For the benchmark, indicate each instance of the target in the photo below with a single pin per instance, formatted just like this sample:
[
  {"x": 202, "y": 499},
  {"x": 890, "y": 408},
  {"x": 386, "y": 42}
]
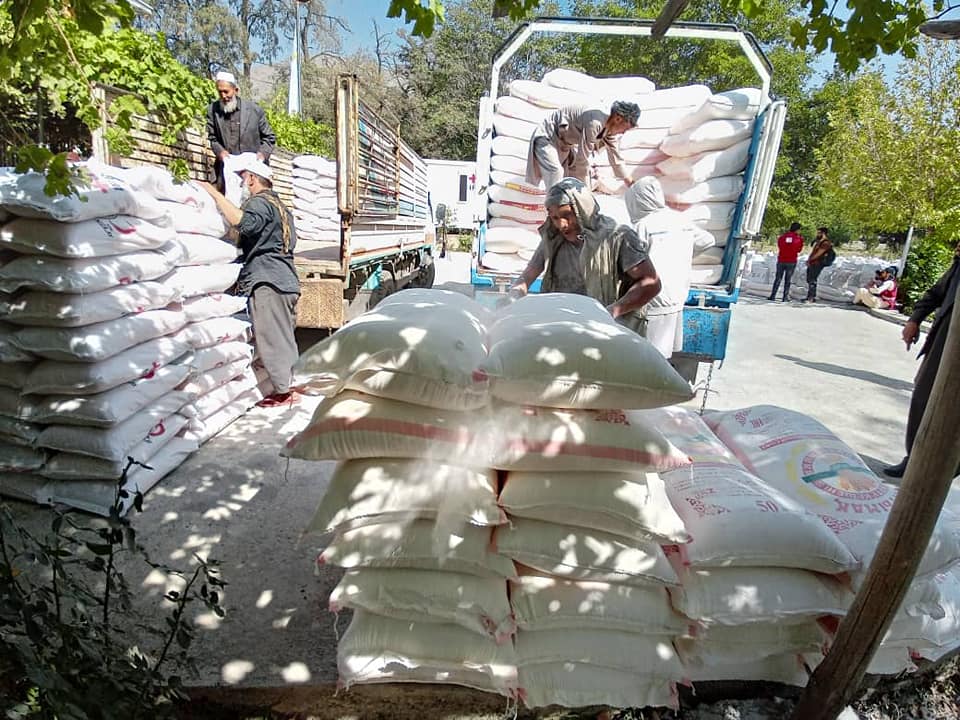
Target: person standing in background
[
  {"x": 939, "y": 299},
  {"x": 789, "y": 246},
  {"x": 236, "y": 126},
  {"x": 821, "y": 255}
]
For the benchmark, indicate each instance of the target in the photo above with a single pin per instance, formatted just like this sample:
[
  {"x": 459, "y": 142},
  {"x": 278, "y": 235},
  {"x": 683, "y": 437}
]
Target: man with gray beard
[{"x": 236, "y": 126}]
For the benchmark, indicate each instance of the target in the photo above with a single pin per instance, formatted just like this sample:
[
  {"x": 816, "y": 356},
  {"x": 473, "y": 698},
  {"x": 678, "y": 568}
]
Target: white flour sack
[
  {"x": 712, "y": 135},
  {"x": 548, "y": 603},
  {"x": 41, "y": 272},
  {"x": 18, "y": 458},
  {"x": 9, "y": 352},
  {"x": 517, "y": 182},
  {"x": 806, "y": 461},
  {"x": 201, "y": 280},
  {"x": 100, "y": 341},
  {"x": 18, "y": 432},
  {"x": 711, "y": 215},
  {"x": 425, "y": 350},
  {"x": 215, "y": 305},
  {"x": 40, "y": 307},
  {"x": 420, "y": 545},
  {"x": 513, "y": 264},
  {"x": 530, "y": 214},
  {"x": 564, "y": 350},
  {"x": 212, "y": 401},
  {"x": 509, "y": 163},
  {"x": 213, "y": 331},
  {"x": 87, "y": 239},
  {"x": 652, "y": 657},
  {"x": 475, "y": 603},
  {"x": 579, "y": 685},
  {"x": 546, "y": 96},
  {"x": 221, "y": 354},
  {"x": 115, "y": 442},
  {"x": 205, "y": 250},
  {"x": 608, "y": 87},
  {"x": 210, "y": 380},
  {"x": 52, "y": 377},
  {"x": 109, "y": 407},
  {"x": 580, "y": 554},
  {"x": 705, "y": 165},
  {"x": 511, "y": 239},
  {"x": 162, "y": 185},
  {"x": 199, "y": 221},
  {"x": 717, "y": 498},
  {"x": 786, "y": 669},
  {"x": 377, "y": 649},
  {"x": 706, "y": 274},
  {"x": 514, "y": 107},
  {"x": 742, "y": 104},
  {"x": 633, "y": 505},
  {"x": 931, "y": 638},
  {"x": 547, "y": 439},
  {"x": 724, "y": 188},
  {"x": 739, "y": 596},
  {"x": 710, "y": 256},
  {"x": 643, "y": 138},
  {"x": 519, "y": 128},
  {"x": 352, "y": 425},
  {"x": 71, "y": 466},
  {"x": 367, "y": 492},
  {"x": 14, "y": 374},
  {"x": 722, "y": 645},
  {"x": 519, "y": 198},
  {"x": 505, "y": 145},
  {"x": 98, "y": 196}
]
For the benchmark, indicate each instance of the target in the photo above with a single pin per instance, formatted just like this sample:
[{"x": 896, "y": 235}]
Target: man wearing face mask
[
  {"x": 236, "y": 126},
  {"x": 584, "y": 252},
  {"x": 267, "y": 238}
]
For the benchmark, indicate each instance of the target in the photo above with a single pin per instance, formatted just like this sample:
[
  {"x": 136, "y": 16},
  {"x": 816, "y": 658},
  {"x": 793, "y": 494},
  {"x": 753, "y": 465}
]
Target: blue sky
[{"x": 358, "y": 14}]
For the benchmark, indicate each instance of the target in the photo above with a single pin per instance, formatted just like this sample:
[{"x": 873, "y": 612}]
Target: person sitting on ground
[
  {"x": 584, "y": 252},
  {"x": 268, "y": 277},
  {"x": 881, "y": 292},
  {"x": 562, "y": 144}
]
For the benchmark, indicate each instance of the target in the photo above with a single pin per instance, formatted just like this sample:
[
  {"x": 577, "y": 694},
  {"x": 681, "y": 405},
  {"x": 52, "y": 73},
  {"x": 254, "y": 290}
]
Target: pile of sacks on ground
[
  {"x": 315, "y": 199},
  {"x": 117, "y": 339},
  {"x": 838, "y": 283},
  {"x": 695, "y": 141},
  {"x": 519, "y": 509}
]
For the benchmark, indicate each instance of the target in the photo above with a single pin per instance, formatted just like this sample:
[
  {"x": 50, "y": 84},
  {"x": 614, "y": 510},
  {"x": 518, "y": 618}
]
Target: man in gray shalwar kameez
[
  {"x": 561, "y": 145},
  {"x": 267, "y": 238}
]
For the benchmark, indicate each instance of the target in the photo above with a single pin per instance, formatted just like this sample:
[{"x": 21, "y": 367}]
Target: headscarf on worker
[
  {"x": 602, "y": 238},
  {"x": 644, "y": 197}
]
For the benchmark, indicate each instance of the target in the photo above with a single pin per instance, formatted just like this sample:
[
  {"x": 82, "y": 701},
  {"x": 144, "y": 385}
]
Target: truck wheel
[
  {"x": 425, "y": 276},
  {"x": 388, "y": 286}
]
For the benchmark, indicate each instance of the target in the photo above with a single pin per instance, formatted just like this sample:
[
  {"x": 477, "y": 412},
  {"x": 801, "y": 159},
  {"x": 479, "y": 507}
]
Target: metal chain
[{"x": 706, "y": 389}]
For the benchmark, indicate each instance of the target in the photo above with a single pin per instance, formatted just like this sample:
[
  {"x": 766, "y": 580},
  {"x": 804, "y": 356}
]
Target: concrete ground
[{"x": 238, "y": 501}]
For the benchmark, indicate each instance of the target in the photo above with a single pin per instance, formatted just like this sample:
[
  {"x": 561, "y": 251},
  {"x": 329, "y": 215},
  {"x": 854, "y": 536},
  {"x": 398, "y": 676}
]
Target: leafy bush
[
  {"x": 68, "y": 647},
  {"x": 300, "y": 135},
  {"x": 927, "y": 261}
]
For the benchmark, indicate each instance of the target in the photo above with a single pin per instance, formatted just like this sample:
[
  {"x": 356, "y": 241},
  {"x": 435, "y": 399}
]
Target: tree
[
  {"x": 890, "y": 26},
  {"x": 891, "y": 157}
]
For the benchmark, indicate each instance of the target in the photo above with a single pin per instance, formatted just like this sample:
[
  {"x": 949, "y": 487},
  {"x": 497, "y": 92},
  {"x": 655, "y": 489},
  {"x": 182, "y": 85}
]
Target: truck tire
[
  {"x": 424, "y": 277},
  {"x": 388, "y": 286}
]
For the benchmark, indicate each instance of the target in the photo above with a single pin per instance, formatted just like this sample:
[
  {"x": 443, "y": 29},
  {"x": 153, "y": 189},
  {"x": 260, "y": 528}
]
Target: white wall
[{"x": 446, "y": 179}]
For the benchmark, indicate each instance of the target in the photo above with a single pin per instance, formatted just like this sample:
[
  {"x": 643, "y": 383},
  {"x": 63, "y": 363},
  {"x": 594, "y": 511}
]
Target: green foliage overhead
[
  {"x": 871, "y": 26},
  {"x": 927, "y": 261},
  {"x": 301, "y": 135}
]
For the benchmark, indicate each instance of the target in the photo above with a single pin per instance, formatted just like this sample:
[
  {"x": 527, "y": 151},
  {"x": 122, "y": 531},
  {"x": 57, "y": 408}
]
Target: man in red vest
[
  {"x": 789, "y": 246},
  {"x": 881, "y": 292}
]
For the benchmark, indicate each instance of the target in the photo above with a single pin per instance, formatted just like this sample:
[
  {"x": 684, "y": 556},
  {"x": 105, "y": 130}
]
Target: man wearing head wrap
[
  {"x": 881, "y": 292},
  {"x": 584, "y": 252},
  {"x": 563, "y": 142},
  {"x": 236, "y": 126},
  {"x": 671, "y": 240}
]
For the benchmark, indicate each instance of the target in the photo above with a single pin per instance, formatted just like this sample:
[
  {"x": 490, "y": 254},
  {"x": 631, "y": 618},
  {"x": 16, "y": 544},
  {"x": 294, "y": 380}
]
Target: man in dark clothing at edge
[
  {"x": 267, "y": 238},
  {"x": 236, "y": 126},
  {"x": 939, "y": 298}
]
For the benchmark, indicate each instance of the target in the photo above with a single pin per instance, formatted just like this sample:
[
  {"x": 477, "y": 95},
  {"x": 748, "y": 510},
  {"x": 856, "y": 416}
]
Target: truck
[
  {"x": 707, "y": 314},
  {"x": 387, "y": 233}
]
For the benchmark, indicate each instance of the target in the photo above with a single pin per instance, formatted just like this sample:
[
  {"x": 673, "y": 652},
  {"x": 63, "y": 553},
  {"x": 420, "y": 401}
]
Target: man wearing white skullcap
[{"x": 236, "y": 126}]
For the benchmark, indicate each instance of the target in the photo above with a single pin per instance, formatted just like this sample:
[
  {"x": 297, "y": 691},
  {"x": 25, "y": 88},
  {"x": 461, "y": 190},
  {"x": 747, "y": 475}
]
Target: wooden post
[{"x": 933, "y": 461}]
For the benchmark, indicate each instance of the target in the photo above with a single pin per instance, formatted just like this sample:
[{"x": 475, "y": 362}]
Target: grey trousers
[
  {"x": 274, "y": 316},
  {"x": 553, "y": 166}
]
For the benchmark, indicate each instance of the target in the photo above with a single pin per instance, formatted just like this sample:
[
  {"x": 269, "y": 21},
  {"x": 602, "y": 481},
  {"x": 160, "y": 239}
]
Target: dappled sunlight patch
[
  {"x": 295, "y": 672},
  {"x": 235, "y": 671}
]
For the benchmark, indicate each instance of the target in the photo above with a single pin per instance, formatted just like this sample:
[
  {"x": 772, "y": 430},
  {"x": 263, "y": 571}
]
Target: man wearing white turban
[{"x": 236, "y": 126}]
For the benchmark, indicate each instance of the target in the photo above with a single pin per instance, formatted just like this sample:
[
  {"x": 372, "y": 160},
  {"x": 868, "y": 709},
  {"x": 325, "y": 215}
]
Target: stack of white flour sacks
[
  {"x": 521, "y": 506},
  {"x": 117, "y": 339},
  {"x": 695, "y": 141}
]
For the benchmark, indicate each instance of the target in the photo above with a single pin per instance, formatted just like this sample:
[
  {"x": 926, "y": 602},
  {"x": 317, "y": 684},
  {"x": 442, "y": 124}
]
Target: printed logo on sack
[
  {"x": 840, "y": 474},
  {"x": 613, "y": 417},
  {"x": 158, "y": 430}
]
